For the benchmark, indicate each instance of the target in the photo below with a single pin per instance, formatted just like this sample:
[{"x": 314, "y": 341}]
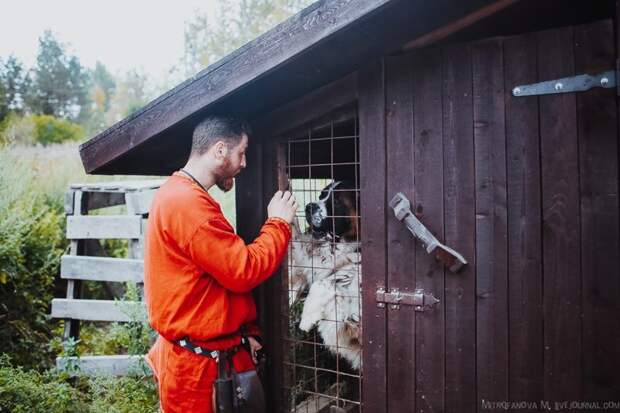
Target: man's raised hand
[{"x": 282, "y": 205}]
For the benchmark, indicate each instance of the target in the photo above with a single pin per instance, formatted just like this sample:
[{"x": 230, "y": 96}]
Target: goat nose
[{"x": 311, "y": 208}]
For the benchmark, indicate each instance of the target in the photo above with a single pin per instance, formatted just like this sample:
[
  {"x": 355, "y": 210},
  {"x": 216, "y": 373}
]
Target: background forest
[{"x": 46, "y": 111}]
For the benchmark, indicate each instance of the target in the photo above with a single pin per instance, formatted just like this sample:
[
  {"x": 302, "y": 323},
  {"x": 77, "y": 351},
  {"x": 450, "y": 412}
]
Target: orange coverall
[{"x": 198, "y": 280}]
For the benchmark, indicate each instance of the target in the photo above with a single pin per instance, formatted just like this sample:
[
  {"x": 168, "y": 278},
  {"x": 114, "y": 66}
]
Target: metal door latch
[
  {"x": 419, "y": 299},
  {"x": 579, "y": 83},
  {"x": 402, "y": 209}
]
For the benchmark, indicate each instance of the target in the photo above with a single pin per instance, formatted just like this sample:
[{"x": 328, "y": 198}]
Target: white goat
[
  {"x": 333, "y": 271},
  {"x": 333, "y": 305}
]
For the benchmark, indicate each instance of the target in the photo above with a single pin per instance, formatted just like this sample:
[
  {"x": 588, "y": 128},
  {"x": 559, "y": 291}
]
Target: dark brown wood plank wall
[
  {"x": 491, "y": 221},
  {"x": 248, "y": 184},
  {"x": 250, "y": 214},
  {"x": 561, "y": 222},
  {"x": 271, "y": 315},
  {"x": 598, "y": 183},
  {"x": 400, "y": 246},
  {"x": 529, "y": 201},
  {"x": 524, "y": 223},
  {"x": 460, "y": 230},
  {"x": 372, "y": 142},
  {"x": 428, "y": 202}
]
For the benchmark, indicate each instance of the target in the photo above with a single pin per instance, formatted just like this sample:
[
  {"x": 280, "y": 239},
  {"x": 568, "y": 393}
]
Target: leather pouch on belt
[
  {"x": 238, "y": 392},
  {"x": 249, "y": 393}
]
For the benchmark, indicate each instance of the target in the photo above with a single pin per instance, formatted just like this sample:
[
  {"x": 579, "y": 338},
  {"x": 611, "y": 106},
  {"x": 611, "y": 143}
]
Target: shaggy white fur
[{"x": 333, "y": 272}]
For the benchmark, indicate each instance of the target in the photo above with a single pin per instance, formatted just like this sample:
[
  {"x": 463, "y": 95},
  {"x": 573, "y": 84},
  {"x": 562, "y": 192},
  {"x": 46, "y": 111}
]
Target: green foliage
[
  {"x": 38, "y": 129},
  {"x": 123, "y": 395},
  {"x": 30, "y": 247},
  {"x": 131, "y": 93},
  {"x": 103, "y": 80},
  {"x": 59, "y": 82},
  {"x": 25, "y": 391},
  {"x": 134, "y": 337},
  {"x": 138, "y": 334},
  {"x": 49, "y": 129},
  {"x": 16, "y": 129},
  {"x": 13, "y": 80},
  {"x": 102, "y": 90},
  {"x": 46, "y": 171}
]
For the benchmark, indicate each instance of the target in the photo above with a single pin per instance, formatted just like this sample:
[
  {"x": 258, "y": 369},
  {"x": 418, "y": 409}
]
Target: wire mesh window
[{"x": 321, "y": 290}]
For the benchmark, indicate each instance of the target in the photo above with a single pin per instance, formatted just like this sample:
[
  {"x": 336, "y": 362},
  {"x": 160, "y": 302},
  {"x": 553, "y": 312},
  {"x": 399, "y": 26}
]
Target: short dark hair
[{"x": 229, "y": 129}]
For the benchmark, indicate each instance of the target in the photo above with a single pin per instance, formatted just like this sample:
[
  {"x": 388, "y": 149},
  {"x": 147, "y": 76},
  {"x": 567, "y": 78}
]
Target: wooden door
[{"x": 526, "y": 188}]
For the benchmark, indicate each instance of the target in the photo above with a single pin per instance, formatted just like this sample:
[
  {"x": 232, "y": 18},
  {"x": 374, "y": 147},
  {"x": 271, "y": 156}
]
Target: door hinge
[
  {"x": 419, "y": 299},
  {"x": 579, "y": 83}
]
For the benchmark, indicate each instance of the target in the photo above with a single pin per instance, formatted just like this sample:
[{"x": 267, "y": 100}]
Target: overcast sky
[{"x": 123, "y": 34}]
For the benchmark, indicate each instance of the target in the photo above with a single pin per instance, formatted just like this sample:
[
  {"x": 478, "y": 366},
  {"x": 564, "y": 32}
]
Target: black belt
[{"x": 202, "y": 351}]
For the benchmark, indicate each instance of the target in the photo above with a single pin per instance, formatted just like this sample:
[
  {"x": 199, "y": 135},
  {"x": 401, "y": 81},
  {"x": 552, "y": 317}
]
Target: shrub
[
  {"x": 16, "y": 129},
  {"x": 135, "y": 394},
  {"x": 30, "y": 247},
  {"x": 24, "y": 391},
  {"x": 49, "y": 130},
  {"x": 31, "y": 391}
]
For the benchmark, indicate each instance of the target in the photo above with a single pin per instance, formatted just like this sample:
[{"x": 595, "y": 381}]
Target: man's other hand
[
  {"x": 282, "y": 205},
  {"x": 255, "y": 346}
]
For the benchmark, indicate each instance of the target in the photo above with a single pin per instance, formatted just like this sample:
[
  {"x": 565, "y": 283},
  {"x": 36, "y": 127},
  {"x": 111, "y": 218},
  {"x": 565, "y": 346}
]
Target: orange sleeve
[
  {"x": 253, "y": 330},
  {"x": 236, "y": 266}
]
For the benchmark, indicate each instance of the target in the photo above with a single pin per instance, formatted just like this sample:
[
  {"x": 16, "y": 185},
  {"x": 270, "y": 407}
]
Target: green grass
[{"x": 53, "y": 168}]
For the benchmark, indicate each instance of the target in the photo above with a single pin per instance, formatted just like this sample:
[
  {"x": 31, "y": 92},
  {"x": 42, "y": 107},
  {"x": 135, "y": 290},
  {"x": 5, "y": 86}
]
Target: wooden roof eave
[{"x": 309, "y": 43}]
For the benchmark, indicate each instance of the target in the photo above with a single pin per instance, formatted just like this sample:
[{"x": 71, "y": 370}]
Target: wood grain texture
[
  {"x": 460, "y": 230},
  {"x": 491, "y": 221},
  {"x": 79, "y": 201},
  {"x": 310, "y": 107},
  {"x": 598, "y": 185},
  {"x": 104, "y": 226},
  {"x": 121, "y": 365},
  {"x": 96, "y": 310},
  {"x": 101, "y": 269},
  {"x": 271, "y": 295},
  {"x": 561, "y": 223},
  {"x": 139, "y": 202},
  {"x": 401, "y": 360},
  {"x": 428, "y": 203},
  {"x": 372, "y": 143},
  {"x": 524, "y": 223}
]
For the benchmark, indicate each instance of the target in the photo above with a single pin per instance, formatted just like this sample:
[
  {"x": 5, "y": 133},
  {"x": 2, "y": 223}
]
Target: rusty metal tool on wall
[{"x": 402, "y": 209}]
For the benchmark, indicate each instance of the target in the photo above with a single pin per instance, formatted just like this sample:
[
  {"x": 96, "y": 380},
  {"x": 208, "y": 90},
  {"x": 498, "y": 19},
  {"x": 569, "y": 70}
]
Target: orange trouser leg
[{"x": 185, "y": 380}]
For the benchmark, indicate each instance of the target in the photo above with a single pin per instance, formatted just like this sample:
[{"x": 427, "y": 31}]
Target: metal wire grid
[{"x": 316, "y": 378}]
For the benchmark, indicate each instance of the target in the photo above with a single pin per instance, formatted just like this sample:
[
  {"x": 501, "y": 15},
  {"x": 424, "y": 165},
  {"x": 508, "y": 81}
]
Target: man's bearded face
[
  {"x": 233, "y": 163},
  {"x": 225, "y": 175}
]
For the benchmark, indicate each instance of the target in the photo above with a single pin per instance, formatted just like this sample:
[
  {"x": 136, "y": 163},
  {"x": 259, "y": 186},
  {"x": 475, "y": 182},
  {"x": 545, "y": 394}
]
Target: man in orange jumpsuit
[{"x": 199, "y": 274}]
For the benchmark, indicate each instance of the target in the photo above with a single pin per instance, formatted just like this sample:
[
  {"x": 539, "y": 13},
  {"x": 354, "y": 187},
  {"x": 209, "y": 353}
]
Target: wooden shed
[{"x": 440, "y": 100}]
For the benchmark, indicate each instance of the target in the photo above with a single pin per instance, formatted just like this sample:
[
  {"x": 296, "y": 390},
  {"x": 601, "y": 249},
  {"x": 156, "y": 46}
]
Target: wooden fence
[{"x": 84, "y": 262}]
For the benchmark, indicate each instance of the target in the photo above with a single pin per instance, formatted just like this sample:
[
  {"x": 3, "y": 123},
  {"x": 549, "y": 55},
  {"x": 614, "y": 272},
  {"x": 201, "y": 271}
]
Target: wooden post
[{"x": 72, "y": 327}]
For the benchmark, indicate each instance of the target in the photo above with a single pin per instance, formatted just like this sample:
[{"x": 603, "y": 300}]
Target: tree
[
  {"x": 102, "y": 90},
  {"x": 60, "y": 84},
  {"x": 131, "y": 93},
  {"x": 208, "y": 39},
  {"x": 103, "y": 86},
  {"x": 13, "y": 80}
]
